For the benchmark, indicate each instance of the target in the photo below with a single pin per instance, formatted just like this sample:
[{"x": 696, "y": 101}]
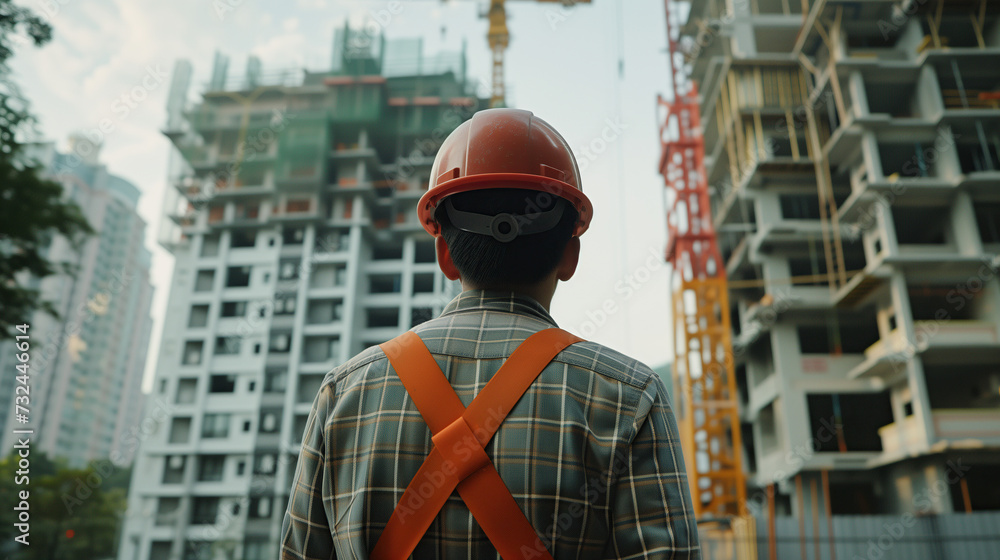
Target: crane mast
[{"x": 706, "y": 400}]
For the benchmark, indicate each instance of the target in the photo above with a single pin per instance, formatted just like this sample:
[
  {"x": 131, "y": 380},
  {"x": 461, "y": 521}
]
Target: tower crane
[
  {"x": 707, "y": 405},
  {"x": 498, "y": 38}
]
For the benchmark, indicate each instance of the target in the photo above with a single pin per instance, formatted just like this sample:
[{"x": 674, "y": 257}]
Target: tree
[
  {"x": 32, "y": 209},
  {"x": 75, "y": 514}
]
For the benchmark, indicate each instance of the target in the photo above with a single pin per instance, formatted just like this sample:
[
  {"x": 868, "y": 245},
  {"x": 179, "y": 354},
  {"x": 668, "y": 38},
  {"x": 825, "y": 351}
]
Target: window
[
  {"x": 227, "y": 345},
  {"x": 299, "y": 428},
  {"x": 860, "y": 416},
  {"x": 246, "y": 425},
  {"x": 382, "y": 317},
  {"x": 297, "y": 205},
  {"x": 284, "y": 304},
  {"x": 309, "y": 386},
  {"x": 204, "y": 510},
  {"x": 288, "y": 270},
  {"x": 192, "y": 352},
  {"x": 292, "y": 236},
  {"x": 921, "y": 225},
  {"x": 387, "y": 252},
  {"x": 242, "y": 238},
  {"x": 423, "y": 283},
  {"x": 187, "y": 388},
  {"x": 808, "y": 272},
  {"x": 210, "y": 468},
  {"x": 280, "y": 342},
  {"x": 326, "y": 276},
  {"x": 204, "y": 280},
  {"x": 198, "y": 550},
  {"x": 265, "y": 463},
  {"x": 234, "y": 309},
  {"x": 769, "y": 437},
  {"x": 324, "y": 311},
  {"x": 210, "y": 245},
  {"x": 270, "y": 421},
  {"x": 180, "y": 429},
  {"x": 241, "y": 468},
  {"x": 198, "y": 316},
  {"x": 222, "y": 384},
  {"x": 988, "y": 219},
  {"x": 799, "y": 206},
  {"x": 329, "y": 241},
  {"x": 320, "y": 348},
  {"x": 256, "y": 549},
  {"x": 215, "y": 425},
  {"x": 238, "y": 277},
  {"x": 248, "y": 211},
  {"x": 173, "y": 469},
  {"x": 274, "y": 381},
  {"x": 159, "y": 550},
  {"x": 423, "y": 252},
  {"x": 384, "y": 283},
  {"x": 260, "y": 507}
]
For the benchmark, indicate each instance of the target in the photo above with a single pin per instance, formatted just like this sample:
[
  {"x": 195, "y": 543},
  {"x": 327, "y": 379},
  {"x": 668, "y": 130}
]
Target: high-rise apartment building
[
  {"x": 293, "y": 222},
  {"x": 86, "y": 367},
  {"x": 852, "y": 148}
]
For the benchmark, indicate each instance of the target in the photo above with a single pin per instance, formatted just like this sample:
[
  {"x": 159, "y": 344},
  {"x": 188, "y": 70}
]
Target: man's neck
[{"x": 541, "y": 292}]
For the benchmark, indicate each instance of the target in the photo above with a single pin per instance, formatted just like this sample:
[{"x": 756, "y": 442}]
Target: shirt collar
[{"x": 488, "y": 300}]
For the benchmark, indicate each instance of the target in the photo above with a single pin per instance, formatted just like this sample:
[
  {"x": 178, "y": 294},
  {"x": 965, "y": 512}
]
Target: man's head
[{"x": 505, "y": 204}]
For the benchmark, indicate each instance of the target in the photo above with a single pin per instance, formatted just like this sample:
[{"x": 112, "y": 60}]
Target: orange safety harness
[{"x": 458, "y": 459}]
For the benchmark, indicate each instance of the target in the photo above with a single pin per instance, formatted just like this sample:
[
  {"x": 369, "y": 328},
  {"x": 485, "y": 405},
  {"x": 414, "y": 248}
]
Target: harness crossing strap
[{"x": 458, "y": 459}]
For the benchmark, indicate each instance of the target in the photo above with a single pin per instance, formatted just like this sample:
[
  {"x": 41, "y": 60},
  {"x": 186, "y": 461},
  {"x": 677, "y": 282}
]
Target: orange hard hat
[{"x": 504, "y": 149}]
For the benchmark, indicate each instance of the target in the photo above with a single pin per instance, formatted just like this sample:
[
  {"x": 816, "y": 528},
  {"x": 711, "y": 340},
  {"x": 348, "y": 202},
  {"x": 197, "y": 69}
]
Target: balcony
[
  {"x": 904, "y": 438},
  {"x": 886, "y": 357},
  {"x": 969, "y": 426},
  {"x": 953, "y": 427},
  {"x": 194, "y": 153},
  {"x": 957, "y": 333}
]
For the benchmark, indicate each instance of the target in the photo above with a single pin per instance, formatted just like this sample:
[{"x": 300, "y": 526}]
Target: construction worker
[{"x": 489, "y": 431}]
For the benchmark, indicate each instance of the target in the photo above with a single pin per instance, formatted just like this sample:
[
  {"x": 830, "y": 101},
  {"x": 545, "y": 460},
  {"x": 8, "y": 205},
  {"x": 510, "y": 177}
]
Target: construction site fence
[{"x": 952, "y": 536}]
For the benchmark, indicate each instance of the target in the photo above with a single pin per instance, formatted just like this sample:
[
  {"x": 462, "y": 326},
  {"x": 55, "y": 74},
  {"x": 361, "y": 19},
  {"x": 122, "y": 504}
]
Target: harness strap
[{"x": 458, "y": 459}]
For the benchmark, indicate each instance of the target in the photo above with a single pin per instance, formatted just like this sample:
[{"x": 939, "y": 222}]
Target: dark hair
[{"x": 526, "y": 260}]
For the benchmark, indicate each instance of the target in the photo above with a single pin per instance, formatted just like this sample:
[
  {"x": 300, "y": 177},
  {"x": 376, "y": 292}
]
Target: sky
[{"x": 593, "y": 71}]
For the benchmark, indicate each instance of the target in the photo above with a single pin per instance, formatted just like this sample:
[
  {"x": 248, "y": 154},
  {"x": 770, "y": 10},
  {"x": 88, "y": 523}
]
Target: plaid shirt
[{"x": 590, "y": 452}]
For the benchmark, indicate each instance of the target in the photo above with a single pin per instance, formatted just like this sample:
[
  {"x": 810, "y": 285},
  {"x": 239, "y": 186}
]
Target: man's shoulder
[
  {"x": 607, "y": 362},
  {"x": 359, "y": 362}
]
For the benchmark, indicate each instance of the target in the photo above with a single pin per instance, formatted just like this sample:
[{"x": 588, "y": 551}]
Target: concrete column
[
  {"x": 914, "y": 368},
  {"x": 856, "y": 89},
  {"x": 963, "y": 225}
]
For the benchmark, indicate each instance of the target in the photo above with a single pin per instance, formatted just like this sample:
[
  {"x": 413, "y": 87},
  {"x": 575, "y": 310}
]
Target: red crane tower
[{"x": 705, "y": 385}]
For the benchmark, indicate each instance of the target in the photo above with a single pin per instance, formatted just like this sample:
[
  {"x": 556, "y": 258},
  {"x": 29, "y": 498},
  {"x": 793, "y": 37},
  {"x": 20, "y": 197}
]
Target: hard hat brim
[{"x": 553, "y": 187}]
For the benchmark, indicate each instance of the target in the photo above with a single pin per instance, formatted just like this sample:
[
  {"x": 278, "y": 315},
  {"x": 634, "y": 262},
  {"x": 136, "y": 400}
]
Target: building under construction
[
  {"x": 851, "y": 149},
  {"x": 292, "y": 217}
]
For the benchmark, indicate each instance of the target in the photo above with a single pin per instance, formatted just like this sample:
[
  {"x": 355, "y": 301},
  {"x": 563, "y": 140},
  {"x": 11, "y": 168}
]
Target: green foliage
[
  {"x": 90, "y": 502},
  {"x": 31, "y": 208}
]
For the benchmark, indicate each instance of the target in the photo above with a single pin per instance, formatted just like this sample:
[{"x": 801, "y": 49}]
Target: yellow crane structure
[
  {"x": 498, "y": 38},
  {"x": 706, "y": 400}
]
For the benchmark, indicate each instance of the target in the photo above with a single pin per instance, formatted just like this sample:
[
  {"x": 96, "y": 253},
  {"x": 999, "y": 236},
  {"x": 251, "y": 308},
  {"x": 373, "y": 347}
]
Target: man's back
[{"x": 590, "y": 452}]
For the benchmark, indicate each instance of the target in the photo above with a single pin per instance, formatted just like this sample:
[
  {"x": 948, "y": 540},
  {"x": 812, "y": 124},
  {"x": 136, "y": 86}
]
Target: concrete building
[
  {"x": 852, "y": 148},
  {"x": 293, "y": 222},
  {"x": 86, "y": 368}
]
